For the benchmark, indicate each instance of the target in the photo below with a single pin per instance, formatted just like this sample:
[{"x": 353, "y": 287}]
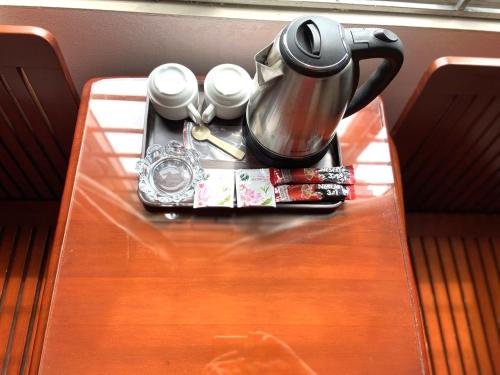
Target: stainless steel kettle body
[
  {"x": 292, "y": 115},
  {"x": 301, "y": 92}
]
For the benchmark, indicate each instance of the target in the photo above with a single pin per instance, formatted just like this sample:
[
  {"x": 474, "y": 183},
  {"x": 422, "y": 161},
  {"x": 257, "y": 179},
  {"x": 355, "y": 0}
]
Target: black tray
[{"x": 158, "y": 130}]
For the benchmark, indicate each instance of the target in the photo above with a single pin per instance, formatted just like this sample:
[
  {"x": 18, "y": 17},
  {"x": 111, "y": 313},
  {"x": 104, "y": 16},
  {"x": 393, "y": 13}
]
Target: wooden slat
[
  {"x": 13, "y": 146},
  {"x": 448, "y": 138},
  {"x": 491, "y": 274},
  {"x": 447, "y": 169},
  {"x": 445, "y": 313},
  {"x": 471, "y": 302},
  {"x": 23, "y": 253},
  {"x": 21, "y": 333},
  {"x": 495, "y": 243},
  {"x": 34, "y": 114},
  {"x": 15, "y": 173},
  {"x": 405, "y": 135},
  {"x": 481, "y": 160},
  {"x": 10, "y": 291},
  {"x": 433, "y": 330},
  {"x": 3, "y": 193},
  {"x": 462, "y": 157},
  {"x": 9, "y": 235},
  {"x": 419, "y": 174},
  {"x": 33, "y": 213},
  {"x": 62, "y": 117},
  {"x": 468, "y": 357},
  {"x": 486, "y": 188},
  {"x": 492, "y": 196},
  {"x": 20, "y": 125},
  {"x": 456, "y": 261},
  {"x": 38, "y": 109},
  {"x": 8, "y": 185},
  {"x": 483, "y": 295}
]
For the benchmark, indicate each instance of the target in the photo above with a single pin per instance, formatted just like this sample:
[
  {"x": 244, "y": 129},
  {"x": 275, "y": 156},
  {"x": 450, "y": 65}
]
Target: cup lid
[
  {"x": 172, "y": 85},
  {"x": 170, "y": 81},
  {"x": 228, "y": 84}
]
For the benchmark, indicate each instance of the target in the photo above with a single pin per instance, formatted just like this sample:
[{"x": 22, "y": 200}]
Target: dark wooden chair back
[
  {"x": 38, "y": 110},
  {"x": 448, "y": 138}
]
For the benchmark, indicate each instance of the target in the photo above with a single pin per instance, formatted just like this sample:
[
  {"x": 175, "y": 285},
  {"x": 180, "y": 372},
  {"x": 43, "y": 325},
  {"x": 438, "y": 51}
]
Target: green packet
[{"x": 254, "y": 188}]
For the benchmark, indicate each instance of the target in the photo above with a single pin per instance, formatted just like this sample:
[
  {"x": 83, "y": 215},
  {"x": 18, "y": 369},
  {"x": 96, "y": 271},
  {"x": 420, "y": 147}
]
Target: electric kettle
[{"x": 306, "y": 82}]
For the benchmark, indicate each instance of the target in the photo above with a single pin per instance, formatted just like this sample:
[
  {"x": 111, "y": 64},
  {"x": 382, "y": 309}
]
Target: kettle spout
[{"x": 267, "y": 71}]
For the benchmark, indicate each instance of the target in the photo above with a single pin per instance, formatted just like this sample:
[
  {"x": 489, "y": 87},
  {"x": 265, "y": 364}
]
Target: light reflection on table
[{"x": 118, "y": 124}]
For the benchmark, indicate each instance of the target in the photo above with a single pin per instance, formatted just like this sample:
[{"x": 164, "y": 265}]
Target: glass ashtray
[{"x": 169, "y": 173}]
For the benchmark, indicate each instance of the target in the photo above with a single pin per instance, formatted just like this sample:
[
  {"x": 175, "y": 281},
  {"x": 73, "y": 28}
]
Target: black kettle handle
[{"x": 369, "y": 44}]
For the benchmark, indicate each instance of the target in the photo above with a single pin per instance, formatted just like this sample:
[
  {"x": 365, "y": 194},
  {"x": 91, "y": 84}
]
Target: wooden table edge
[
  {"x": 410, "y": 277},
  {"x": 55, "y": 252}
]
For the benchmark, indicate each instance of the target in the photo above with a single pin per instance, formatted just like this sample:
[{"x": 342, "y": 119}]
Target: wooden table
[{"x": 135, "y": 292}]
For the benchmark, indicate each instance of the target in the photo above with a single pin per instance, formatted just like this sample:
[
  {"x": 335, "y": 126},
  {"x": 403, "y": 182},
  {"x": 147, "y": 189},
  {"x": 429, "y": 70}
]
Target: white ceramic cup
[
  {"x": 227, "y": 89},
  {"x": 173, "y": 91}
]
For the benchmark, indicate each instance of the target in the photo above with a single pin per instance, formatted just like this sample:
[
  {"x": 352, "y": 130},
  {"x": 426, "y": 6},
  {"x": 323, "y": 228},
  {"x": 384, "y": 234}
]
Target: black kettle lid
[{"x": 314, "y": 46}]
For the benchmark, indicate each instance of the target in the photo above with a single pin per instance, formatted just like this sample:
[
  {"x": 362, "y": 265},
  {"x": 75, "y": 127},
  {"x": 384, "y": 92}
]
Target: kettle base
[{"x": 270, "y": 159}]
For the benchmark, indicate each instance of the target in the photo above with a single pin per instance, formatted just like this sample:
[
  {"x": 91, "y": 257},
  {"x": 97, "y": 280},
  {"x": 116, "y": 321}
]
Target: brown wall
[{"x": 104, "y": 43}]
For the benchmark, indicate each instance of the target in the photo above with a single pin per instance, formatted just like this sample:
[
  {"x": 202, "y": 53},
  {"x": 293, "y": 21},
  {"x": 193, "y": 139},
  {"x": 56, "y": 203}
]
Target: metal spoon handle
[{"x": 226, "y": 147}]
